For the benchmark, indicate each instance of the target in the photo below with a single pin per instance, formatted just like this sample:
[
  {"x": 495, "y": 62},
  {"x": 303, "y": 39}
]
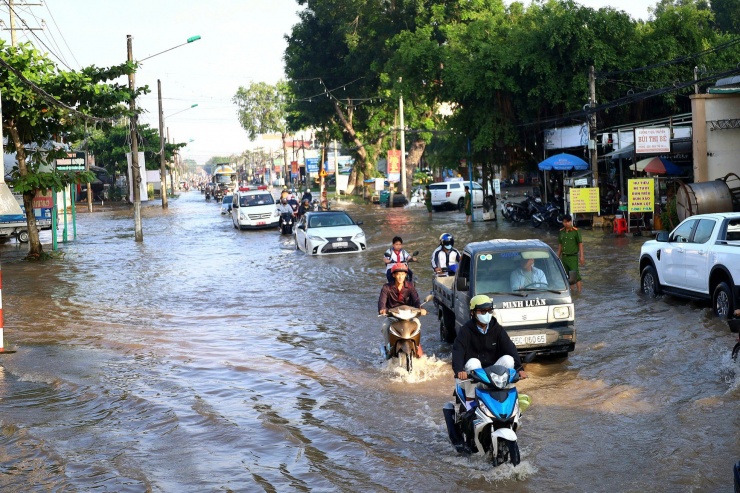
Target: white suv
[
  {"x": 451, "y": 194},
  {"x": 699, "y": 259}
]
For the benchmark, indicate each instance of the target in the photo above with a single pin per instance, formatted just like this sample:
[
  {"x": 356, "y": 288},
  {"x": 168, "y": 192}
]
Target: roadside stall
[{"x": 566, "y": 164}]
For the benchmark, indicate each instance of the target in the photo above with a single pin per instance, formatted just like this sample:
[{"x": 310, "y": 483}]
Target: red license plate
[{"x": 260, "y": 223}]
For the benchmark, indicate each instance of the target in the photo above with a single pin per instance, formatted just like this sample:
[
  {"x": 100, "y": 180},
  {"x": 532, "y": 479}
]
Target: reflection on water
[{"x": 212, "y": 359}]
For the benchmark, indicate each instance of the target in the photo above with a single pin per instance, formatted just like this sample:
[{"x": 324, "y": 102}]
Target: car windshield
[
  {"x": 254, "y": 199},
  {"x": 329, "y": 219},
  {"x": 518, "y": 272}
]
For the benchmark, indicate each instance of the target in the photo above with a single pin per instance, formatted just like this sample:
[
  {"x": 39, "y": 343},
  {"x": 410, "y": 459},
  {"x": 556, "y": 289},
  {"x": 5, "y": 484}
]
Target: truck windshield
[{"x": 518, "y": 271}]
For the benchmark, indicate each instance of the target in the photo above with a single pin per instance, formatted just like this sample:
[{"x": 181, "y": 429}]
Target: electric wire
[{"x": 7, "y": 2}]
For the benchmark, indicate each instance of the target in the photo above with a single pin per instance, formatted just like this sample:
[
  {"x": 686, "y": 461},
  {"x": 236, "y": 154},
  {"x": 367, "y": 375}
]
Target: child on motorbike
[{"x": 394, "y": 255}]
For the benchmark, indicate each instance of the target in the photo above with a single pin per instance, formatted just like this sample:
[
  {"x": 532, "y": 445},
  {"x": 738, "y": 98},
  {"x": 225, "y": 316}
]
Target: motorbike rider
[
  {"x": 445, "y": 255},
  {"x": 396, "y": 293},
  {"x": 482, "y": 337},
  {"x": 394, "y": 255},
  {"x": 283, "y": 207},
  {"x": 307, "y": 196},
  {"x": 304, "y": 207}
]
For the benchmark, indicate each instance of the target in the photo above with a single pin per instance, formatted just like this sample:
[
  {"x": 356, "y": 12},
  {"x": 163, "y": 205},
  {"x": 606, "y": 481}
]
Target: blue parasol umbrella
[{"x": 563, "y": 162}]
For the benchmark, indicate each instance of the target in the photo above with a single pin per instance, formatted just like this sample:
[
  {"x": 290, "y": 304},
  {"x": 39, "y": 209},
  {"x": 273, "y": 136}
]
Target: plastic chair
[{"x": 620, "y": 226}]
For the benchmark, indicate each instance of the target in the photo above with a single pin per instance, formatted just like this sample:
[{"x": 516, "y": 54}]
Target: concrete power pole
[
  {"x": 162, "y": 164},
  {"x": 403, "y": 149},
  {"x": 135, "y": 172},
  {"x": 592, "y": 127},
  {"x": 13, "y": 29}
]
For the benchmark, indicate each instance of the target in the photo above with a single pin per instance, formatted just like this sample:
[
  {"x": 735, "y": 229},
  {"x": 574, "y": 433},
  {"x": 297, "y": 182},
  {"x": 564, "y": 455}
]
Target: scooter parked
[{"x": 484, "y": 417}]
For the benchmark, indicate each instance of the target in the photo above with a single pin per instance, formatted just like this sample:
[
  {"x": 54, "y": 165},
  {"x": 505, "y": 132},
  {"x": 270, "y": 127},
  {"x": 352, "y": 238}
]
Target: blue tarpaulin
[{"x": 563, "y": 162}]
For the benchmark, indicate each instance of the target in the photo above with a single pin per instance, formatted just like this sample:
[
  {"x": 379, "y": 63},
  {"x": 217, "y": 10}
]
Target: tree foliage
[{"x": 42, "y": 104}]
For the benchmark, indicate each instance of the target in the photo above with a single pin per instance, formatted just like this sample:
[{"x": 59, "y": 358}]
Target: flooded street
[{"x": 212, "y": 359}]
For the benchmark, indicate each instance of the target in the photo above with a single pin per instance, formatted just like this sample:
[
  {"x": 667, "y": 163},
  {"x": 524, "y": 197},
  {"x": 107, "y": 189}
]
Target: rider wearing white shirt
[{"x": 445, "y": 255}]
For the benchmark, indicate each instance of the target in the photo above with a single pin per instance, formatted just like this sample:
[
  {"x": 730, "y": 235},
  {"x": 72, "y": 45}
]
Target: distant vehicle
[
  {"x": 254, "y": 208},
  {"x": 226, "y": 204},
  {"x": 451, "y": 194},
  {"x": 700, "y": 259},
  {"x": 329, "y": 232},
  {"x": 225, "y": 176}
]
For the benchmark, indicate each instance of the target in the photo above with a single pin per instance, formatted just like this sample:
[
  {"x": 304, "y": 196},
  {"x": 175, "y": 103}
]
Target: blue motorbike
[{"x": 484, "y": 417}]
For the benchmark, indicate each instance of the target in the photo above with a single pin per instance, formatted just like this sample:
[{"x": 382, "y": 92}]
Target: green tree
[
  {"x": 41, "y": 102},
  {"x": 110, "y": 146},
  {"x": 262, "y": 109}
]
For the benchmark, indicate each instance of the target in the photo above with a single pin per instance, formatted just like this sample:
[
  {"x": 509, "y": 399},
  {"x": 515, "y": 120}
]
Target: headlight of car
[
  {"x": 560, "y": 312},
  {"x": 315, "y": 238},
  {"x": 359, "y": 236}
]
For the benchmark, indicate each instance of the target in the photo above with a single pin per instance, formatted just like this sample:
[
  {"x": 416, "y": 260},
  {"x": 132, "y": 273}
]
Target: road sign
[
  {"x": 75, "y": 161},
  {"x": 312, "y": 164}
]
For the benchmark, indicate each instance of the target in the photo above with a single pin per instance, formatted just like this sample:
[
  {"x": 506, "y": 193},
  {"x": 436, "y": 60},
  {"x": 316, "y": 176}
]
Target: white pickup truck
[
  {"x": 700, "y": 259},
  {"x": 451, "y": 194}
]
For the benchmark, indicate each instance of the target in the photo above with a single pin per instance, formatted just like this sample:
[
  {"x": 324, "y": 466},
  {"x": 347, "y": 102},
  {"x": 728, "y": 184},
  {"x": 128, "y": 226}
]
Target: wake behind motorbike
[
  {"x": 285, "y": 225},
  {"x": 485, "y": 415},
  {"x": 404, "y": 334}
]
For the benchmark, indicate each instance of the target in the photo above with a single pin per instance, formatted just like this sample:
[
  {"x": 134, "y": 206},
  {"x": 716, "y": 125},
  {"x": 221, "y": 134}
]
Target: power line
[
  {"x": 46, "y": 4},
  {"x": 34, "y": 35}
]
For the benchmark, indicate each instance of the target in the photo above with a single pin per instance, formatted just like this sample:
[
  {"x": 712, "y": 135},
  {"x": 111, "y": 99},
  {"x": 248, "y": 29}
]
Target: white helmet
[{"x": 472, "y": 364}]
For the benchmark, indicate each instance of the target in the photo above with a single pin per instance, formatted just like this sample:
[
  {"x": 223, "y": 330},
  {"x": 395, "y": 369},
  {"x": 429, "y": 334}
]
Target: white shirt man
[
  {"x": 528, "y": 276},
  {"x": 443, "y": 257}
]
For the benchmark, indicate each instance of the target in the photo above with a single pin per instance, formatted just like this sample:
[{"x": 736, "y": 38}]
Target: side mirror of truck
[
  {"x": 463, "y": 284},
  {"x": 662, "y": 236}
]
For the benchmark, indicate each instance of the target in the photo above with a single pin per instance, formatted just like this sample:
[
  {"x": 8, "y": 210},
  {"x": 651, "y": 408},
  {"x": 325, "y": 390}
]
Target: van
[{"x": 254, "y": 209}]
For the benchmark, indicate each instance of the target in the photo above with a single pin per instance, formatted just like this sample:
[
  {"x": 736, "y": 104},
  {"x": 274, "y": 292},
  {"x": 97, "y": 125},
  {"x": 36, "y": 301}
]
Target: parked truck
[
  {"x": 13, "y": 216},
  {"x": 536, "y": 311}
]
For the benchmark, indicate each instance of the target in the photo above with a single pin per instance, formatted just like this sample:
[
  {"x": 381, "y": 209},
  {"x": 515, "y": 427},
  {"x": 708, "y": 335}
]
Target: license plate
[
  {"x": 531, "y": 339},
  {"x": 338, "y": 244},
  {"x": 261, "y": 223}
]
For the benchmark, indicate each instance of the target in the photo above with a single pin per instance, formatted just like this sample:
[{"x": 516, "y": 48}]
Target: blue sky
[{"x": 241, "y": 41}]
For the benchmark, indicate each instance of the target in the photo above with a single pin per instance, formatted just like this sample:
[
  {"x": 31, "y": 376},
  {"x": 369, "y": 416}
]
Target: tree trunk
[
  {"x": 34, "y": 243},
  {"x": 412, "y": 163},
  {"x": 365, "y": 161}
]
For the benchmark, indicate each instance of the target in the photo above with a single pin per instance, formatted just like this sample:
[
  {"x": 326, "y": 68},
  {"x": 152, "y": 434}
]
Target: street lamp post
[
  {"x": 135, "y": 172},
  {"x": 162, "y": 160}
]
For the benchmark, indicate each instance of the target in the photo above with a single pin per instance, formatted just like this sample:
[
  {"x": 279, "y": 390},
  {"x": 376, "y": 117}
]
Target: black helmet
[{"x": 447, "y": 240}]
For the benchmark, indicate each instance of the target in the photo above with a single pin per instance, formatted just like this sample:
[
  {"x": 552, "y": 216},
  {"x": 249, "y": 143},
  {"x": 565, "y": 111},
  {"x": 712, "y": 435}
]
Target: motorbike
[
  {"x": 404, "y": 334},
  {"x": 484, "y": 417},
  {"x": 516, "y": 211},
  {"x": 549, "y": 215},
  {"x": 285, "y": 225}
]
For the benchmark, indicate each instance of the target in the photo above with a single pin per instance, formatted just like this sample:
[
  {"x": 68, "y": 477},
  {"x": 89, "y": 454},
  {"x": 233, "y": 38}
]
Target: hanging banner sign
[
  {"x": 294, "y": 167},
  {"x": 394, "y": 161},
  {"x": 641, "y": 195},
  {"x": 652, "y": 140},
  {"x": 584, "y": 200},
  {"x": 278, "y": 168}
]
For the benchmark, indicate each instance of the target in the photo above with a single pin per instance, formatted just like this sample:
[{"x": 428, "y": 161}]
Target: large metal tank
[{"x": 703, "y": 198}]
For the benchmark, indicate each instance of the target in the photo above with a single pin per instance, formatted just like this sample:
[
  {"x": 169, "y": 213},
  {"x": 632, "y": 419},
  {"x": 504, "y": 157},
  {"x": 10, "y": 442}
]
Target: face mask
[
  {"x": 484, "y": 318},
  {"x": 448, "y": 247}
]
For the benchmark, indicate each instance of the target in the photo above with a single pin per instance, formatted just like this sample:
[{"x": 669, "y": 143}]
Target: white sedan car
[{"x": 327, "y": 232}]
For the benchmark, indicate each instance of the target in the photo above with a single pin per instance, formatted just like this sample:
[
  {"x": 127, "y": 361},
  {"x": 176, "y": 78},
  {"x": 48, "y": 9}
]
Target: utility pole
[
  {"x": 336, "y": 171},
  {"x": 592, "y": 127},
  {"x": 162, "y": 164},
  {"x": 172, "y": 182},
  {"x": 13, "y": 29},
  {"x": 135, "y": 174},
  {"x": 403, "y": 148}
]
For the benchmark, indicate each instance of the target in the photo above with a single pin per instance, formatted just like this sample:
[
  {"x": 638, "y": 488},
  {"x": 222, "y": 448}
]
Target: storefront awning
[{"x": 623, "y": 153}]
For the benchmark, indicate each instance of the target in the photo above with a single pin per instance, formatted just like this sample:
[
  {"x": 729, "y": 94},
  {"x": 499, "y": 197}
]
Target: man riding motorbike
[
  {"x": 482, "y": 337},
  {"x": 396, "y": 293},
  {"x": 445, "y": 255},
  {"x": 283, "y": 207}
]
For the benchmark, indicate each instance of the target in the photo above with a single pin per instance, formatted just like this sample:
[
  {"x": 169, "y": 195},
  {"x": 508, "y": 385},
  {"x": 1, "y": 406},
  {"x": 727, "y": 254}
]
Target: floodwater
[{"x": 209, "y": 359}]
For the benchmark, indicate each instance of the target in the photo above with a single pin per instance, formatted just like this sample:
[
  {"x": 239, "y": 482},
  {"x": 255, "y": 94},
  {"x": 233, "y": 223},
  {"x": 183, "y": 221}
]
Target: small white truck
[
  {"x": 13, "y": 216},
  {"x": 700, "y": 259},
  {"x": 538, "y": 315}
]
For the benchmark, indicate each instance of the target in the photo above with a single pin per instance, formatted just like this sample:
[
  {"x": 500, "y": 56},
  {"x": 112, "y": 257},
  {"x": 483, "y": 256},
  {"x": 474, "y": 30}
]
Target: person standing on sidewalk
[
  {"x": 468, "y": 205},
  {"x": 570, "y": 250},
  {"x": 428, "y": 201}
]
